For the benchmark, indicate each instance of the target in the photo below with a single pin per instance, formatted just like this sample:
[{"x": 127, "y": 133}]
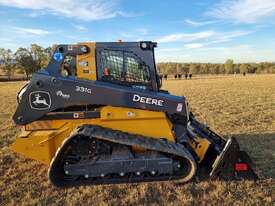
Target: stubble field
[{"x": 239, "y": 106}]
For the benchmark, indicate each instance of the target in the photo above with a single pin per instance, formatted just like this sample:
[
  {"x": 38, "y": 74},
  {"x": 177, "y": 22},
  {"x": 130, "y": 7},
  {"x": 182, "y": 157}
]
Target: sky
[{"x": 186, "y": 31}]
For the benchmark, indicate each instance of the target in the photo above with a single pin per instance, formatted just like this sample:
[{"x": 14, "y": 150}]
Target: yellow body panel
[
  {"x": 44, "y": 125},
  {"x": 200, "y": 146},
  {"x": 42, "y": 143},
  {"x": 86, "y": 63}
]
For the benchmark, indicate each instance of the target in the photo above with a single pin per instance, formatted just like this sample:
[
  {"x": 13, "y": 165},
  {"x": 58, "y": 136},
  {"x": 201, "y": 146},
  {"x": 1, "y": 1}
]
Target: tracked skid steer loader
[{"x": 97, "y": 115}]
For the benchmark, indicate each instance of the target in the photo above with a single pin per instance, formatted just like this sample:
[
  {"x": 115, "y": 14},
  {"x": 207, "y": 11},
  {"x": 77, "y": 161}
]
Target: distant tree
[
  {"x": 160, "y": 68},
  {"x": 25, "y": 61},
  {"x": 40, "y": 55},
  {"x": 170, "y": 68},
  {"x": 236, "y": 68},
  {"x": 252, "y": 68},
  {"x": 32, "y": 59},
  {"x": 7, "y": 62},
  {"x": 178, "y": 68},
  {"x": 205, "y": 69},
  {"x": 229, "y": 66},
  {"x": 221, "y": 69},
  {"x": 185, "y": 68},
  {"x": 216, "y": 69},
  {"x": 260, "y": 68},
  {"x": 193, "y": 69},
  {"x": 243, "y": 68},
  {"x": 49, "y": 52}
]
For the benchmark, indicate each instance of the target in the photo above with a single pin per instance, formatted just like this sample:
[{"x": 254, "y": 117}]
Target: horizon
[{"x": 209, "y": 31}]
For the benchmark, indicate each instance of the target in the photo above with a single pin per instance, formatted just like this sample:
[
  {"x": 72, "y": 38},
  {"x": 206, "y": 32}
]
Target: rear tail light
[{"x": 241, "y": 167}]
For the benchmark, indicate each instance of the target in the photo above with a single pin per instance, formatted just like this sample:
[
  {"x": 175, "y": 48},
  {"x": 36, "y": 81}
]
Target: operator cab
[
  {"x": 123, "y": 67},
  {"x": 129, "y": 64}
]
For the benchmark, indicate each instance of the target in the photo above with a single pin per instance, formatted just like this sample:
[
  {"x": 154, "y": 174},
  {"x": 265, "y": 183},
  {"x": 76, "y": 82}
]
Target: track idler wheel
[{"x": 188, "y": 169}]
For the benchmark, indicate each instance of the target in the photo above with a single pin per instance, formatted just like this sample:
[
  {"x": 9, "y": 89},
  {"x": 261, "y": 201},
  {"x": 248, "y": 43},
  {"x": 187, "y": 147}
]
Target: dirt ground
[{"x": 240, "y": 106}]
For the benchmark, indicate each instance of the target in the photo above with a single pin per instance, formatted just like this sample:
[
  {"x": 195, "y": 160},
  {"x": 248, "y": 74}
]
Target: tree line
[
  {"x": 24, "y": 60},
  {"x": 28, "y": 60},
  {"x": 229, "y": 67}
]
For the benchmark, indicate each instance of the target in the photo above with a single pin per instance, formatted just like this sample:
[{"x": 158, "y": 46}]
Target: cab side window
[
  {"x": 112, "y": 65},
  {"x": 136, "y": 71},
  {"x": 123, "y": 67}
]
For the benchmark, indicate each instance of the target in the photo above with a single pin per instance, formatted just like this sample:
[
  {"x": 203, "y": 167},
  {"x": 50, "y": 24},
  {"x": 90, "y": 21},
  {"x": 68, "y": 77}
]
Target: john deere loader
[{"x": 97, "y": 115}]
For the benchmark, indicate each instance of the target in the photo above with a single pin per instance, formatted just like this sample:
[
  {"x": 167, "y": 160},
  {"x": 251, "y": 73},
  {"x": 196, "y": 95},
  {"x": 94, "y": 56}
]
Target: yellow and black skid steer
[{"x": 97, "y": 115}]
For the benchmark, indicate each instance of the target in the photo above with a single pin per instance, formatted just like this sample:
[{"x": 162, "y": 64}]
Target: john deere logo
[{"x": 40, "y": 100}]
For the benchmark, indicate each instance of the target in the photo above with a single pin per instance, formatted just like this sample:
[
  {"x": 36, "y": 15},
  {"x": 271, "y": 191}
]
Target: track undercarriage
[{"x": 97, "y": 155}]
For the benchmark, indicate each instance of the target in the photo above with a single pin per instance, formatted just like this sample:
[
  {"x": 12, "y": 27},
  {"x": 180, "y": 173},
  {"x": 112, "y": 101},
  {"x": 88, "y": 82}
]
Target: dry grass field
[{"x": 239, "y": 106}]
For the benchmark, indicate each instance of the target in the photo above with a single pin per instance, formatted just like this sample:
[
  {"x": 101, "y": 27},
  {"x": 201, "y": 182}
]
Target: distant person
[
  {"x": 165, "y": 76},
  {"x": 176, "y": 76},
  {"x": 190, "y": 76},
  {"x": 179, "y": 76},
  {"x": 244, "y": 73},
  {"x": 186, "y": 75}
]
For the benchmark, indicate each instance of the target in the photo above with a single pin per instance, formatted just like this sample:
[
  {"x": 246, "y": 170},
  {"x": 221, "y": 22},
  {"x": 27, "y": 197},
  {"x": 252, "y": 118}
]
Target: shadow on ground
[{"x": 261, "y": 148}]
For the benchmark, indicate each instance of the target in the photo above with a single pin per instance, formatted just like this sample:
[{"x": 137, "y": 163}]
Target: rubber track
[{"x": 115, "y": 136}]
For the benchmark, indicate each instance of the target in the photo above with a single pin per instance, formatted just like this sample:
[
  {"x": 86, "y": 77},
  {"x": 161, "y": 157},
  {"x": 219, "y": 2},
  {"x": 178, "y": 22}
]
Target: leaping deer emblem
[{"x": 40, "y": 101}]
